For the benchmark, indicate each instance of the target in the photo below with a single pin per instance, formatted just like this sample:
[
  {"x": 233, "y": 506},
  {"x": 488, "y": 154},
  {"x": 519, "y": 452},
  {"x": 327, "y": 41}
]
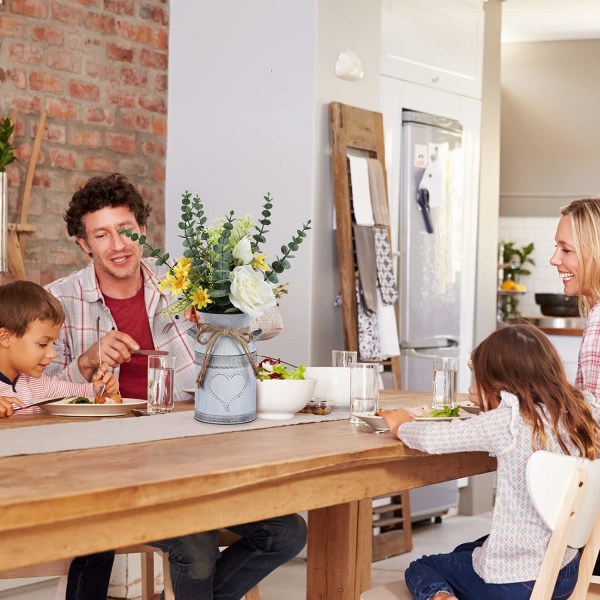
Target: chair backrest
[
  {"x": 566, "y": 492},
  {"x": 550, "y": 476}
]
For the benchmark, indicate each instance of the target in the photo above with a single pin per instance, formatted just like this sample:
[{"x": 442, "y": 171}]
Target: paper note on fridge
[{"x": 432, "y": 182}]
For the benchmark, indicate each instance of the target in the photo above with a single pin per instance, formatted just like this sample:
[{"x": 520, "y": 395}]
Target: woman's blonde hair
[
  {"x": 521, "y": 360},
  {"x": 585, "y": 223}
]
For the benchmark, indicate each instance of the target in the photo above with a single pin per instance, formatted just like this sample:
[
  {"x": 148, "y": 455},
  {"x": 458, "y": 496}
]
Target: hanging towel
[
  {"x": 385, "y": 272},
  {"x": 361, "y": 195},
  {"x": 389, "y": 345},
  {"x": 364, "y": 243},
  {"x": 368, "y": 331},
  {"x": 381, "y": 212}
]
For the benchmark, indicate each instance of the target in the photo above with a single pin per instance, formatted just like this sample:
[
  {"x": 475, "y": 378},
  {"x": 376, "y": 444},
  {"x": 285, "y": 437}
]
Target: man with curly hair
[{"x": 122, "y": 289}]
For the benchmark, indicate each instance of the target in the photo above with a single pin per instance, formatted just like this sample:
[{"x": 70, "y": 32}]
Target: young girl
[{"x": 527, "y": 404}]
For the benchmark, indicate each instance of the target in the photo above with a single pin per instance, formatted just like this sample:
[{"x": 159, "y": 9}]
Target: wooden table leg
[{"x": 339, "y": 551}]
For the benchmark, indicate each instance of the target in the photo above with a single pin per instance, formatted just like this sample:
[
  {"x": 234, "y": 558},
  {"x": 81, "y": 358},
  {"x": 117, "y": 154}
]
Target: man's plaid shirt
[{"x": 83, "y": 303}]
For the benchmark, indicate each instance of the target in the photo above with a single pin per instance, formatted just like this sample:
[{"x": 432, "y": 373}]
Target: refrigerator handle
[
  {"x": 431, "y": 343},
  {"x": 423, "y": 202}
]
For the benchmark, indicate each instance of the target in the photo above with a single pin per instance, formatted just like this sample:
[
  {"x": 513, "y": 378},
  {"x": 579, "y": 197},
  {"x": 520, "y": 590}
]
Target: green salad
[
  {"x": 80, "y": 400},
  {"x": 445, "y": 412}
]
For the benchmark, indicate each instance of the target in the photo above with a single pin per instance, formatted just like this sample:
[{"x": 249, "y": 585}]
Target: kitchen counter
[{"x": 568, "y": 326}]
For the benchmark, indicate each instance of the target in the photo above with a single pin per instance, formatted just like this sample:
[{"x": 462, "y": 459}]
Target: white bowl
[{"x": 281, "y": 398}]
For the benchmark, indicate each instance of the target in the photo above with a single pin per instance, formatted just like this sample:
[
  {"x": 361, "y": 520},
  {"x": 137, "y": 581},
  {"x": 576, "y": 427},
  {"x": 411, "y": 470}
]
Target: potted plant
[
  {"x": 224, "y": 275},
  {"x": 513, "y": 267},
  {"x": 6, "y": 157}
]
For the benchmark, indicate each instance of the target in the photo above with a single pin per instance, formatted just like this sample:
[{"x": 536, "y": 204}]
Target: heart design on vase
[{"x": 227, "y": 388}]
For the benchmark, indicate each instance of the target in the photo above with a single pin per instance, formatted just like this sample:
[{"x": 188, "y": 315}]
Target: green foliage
[
  {"x": 6, "y": 149},
  {"x": 523, "y": 256}
]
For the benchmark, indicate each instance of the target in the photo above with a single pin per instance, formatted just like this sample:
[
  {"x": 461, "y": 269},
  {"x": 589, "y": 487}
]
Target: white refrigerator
[{"x": 430, "y": 257}]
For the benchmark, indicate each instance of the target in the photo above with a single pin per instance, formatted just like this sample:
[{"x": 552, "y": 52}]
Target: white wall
[
  {"x": 241, "y": 123},
  {"x": 249, "y": 85}
]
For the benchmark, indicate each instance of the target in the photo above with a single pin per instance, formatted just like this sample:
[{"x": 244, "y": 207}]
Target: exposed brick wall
[{"x": 99, "y": 70}]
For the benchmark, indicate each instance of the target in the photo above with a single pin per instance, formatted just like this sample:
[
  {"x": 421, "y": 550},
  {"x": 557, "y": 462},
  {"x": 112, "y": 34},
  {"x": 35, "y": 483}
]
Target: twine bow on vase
[{"x": 242, "y": 336}]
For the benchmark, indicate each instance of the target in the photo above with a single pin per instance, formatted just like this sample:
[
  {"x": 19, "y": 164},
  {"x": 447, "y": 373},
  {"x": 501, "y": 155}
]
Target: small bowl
[{"x": 281, "y": 398}]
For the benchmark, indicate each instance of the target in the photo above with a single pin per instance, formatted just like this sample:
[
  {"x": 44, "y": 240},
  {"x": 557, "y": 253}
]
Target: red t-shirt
[{"x": 133, "y": 377}]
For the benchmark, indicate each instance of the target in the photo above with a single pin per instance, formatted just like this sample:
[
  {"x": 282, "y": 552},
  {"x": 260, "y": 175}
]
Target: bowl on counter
[{"x": 557, "y": 305}]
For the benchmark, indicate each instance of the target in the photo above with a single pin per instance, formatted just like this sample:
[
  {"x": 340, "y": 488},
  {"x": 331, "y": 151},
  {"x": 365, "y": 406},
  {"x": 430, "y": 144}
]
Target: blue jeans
[
  {"x": 454, "y": 573},
  {"x": 198, "y": 570}
]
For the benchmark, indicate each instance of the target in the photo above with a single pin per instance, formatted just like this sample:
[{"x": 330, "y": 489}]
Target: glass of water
[
  {"x": 161, "y": 377},
  {"x": 445, "y": 371},
  {"x": 364, "y": 389}
]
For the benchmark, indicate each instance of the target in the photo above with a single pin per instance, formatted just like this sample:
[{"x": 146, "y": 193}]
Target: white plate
[
  {"x": 459, "y": 418},
  {"x": 191, "y": 391},
  {"x": 374, "y": 421},
  {"x": 64, "y": 409}
]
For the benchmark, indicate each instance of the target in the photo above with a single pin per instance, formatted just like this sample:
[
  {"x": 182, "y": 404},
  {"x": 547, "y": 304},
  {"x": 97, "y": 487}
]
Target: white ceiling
[{"x": 539, "y": 20}]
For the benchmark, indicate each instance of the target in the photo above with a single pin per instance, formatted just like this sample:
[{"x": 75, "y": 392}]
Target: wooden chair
[
  {"x": 566, "y": 492},
  {"x": 60, "y": 568}
]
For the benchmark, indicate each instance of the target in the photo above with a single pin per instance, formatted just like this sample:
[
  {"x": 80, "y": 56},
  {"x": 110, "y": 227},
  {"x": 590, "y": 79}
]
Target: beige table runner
[{"x": 119, "y": 432}]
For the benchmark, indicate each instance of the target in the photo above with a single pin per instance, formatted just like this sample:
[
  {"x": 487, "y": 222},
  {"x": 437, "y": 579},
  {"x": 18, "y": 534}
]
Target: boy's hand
[
  {"x": 104, "y": 377},
  {"x": 6, "y": 406},
  {"x": 394, "y": 418}
]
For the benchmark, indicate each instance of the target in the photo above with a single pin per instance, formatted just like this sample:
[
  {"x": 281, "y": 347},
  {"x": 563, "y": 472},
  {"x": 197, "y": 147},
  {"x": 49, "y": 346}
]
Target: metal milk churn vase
[{"x": 226, "y": 379}]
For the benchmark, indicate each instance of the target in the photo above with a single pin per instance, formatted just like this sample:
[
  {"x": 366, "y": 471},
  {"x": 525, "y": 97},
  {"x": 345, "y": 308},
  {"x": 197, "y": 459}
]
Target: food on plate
[
  {"x": 445, "y": 412},
  {"x": 273, "y": 368},
  {"x": 109, "y": 399},
  {"x": 80, "y": 400},
  {"x": 317, "y": 407},
  {"x": 379, "y": 412}
]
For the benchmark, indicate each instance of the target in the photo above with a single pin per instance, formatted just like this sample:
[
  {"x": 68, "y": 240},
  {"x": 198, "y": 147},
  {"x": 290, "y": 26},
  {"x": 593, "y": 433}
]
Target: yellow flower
[
  {"x": 260, "y": 262},
  {"x": 178, "y": 284},
  {"x": 183, "y": 266},
  {"x": 164, "y": 284},
  {"x": 200, "y": 298}
]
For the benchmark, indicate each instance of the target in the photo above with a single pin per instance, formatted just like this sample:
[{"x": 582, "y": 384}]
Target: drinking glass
[
  {"x": 445, "y": 370},
  {"x": 161, "y": 376},
  {"x": 364, "y": 389},
  {"x": 343, "y": 358},
  {"x": 341, "y": 361}
]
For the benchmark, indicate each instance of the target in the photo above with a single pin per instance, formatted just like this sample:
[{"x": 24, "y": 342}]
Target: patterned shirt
[
  {"x": 518, "y": 538},
  {"x": 83, "y": 302},
  {"x": 29, "y": 389},
  {"x": 588, "y": 363}
]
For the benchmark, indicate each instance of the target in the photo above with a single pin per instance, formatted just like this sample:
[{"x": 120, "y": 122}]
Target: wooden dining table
[{"x": 63, "y": 504}]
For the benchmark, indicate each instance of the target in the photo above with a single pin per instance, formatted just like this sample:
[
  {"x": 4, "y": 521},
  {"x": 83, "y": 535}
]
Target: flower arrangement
[{"x": 223, "y": 269}]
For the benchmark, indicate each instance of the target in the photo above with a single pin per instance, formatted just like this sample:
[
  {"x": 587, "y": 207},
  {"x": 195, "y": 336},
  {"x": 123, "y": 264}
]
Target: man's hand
[
  {"x": 6, "y": 406},
  {"x": 115, "y": 347},
  {"x": 394, "y": 418}
]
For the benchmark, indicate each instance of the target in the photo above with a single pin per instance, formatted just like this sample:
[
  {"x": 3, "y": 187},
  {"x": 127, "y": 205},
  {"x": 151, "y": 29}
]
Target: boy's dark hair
[
  {"x": 110, "y": 190},
  {"x": 22, "y": 302}
]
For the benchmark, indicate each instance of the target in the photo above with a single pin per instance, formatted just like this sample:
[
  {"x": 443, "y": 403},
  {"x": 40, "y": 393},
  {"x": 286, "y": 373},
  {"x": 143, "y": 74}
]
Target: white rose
[
  {"x": 250, "y": 292},
  {"x": 243, "y": 251}
]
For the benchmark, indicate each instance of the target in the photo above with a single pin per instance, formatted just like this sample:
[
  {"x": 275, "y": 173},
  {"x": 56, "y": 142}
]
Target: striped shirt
[
  {"x": 515, "y": 548},
  {"x": 29, "y": 389},
  {"x": 83, "y": 302},
  {"x": 588, "y": 363}
]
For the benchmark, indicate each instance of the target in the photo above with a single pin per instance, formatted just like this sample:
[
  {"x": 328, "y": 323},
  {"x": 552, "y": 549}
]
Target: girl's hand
[
  {"x": 104, "y": 377},
  {"x": 394, "y": 418},
  {"x": 6, "y": 406}
]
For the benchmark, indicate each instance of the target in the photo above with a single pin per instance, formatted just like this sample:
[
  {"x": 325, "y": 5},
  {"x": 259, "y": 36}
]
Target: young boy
[{"x": 30, "y": 322}]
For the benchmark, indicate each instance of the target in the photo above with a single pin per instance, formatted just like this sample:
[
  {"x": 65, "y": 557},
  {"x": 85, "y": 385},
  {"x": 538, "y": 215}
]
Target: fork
[{"x": 99, "y": 352}]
